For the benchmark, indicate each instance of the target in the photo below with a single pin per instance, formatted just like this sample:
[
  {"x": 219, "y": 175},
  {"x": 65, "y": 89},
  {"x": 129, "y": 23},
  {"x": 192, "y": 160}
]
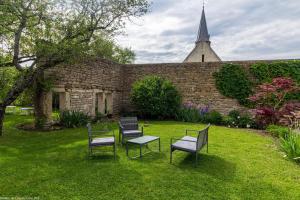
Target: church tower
[{"x": 202, "y": 51}]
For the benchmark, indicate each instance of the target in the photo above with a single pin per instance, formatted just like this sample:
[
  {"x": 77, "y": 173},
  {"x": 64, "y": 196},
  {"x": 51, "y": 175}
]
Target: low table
[
  {"x": 27, "y": 111},
  {"x": 141, "y": 141}
]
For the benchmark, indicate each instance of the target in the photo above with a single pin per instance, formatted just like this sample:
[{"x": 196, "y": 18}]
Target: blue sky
[{"x": 239, "y": 29}]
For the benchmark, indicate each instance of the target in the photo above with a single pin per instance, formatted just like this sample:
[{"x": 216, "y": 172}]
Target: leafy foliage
[
  {"x": 8, "y": 76},
  {"x": 278, "y": 131},
  {"x": 190, "y": 112},
  {"x": 155, "y": 97},
  {"x": 232, "y": 81},
  {"x": 214, "y": 117},
  {"x": 270, "y": 97},
  {"x": 265, "y": 72},
  {"x": 291, "y": 146},
  {"x": 108, "y": 49},
  {"x": 73, "y": 119},
  {"x": 238, "y": 120}
]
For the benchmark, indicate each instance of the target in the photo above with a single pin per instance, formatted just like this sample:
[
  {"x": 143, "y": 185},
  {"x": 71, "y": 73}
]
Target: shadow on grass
[
  {"x": 103, "y": 157},
  {"x": 211, "y": 165}
]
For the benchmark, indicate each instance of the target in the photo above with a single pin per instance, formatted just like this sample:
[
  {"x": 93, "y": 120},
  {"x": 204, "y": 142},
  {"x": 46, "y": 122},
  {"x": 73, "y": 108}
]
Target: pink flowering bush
[{"x": 270, "y": 98}]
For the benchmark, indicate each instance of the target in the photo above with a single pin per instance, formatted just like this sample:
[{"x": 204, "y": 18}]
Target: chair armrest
[{"x": 120, "y": 126}]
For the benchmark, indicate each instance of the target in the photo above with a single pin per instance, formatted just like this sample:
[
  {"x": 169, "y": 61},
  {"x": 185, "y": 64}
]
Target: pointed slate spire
[{"x": 203, "y": 35}]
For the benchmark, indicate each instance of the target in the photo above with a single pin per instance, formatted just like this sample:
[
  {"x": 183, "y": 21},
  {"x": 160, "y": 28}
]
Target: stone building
[{"x": 202, "y": 51}]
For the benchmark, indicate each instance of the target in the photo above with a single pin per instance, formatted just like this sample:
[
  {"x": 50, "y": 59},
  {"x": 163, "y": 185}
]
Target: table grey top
[
  {"x": 143, "y": 140},
  {"x": 26, "y": 108}
]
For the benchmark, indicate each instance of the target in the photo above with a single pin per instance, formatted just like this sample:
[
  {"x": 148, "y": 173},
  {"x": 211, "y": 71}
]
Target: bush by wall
[
  {"x": 238, "y": 120},
  {"x": 155, "y": 97},
  {"x": 232, "y": 81},
  {"x": 278, "y": 131},
  {"x": 214, "y": 117},
  {"x": 290, "y": 145},
  {"x": 73, "y": 119}
]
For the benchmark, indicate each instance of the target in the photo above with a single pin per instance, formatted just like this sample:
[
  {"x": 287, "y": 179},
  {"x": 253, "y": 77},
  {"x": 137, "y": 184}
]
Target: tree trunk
[
  {"x": 43, "y": 107},
  {"x": 2, "y": 112}
]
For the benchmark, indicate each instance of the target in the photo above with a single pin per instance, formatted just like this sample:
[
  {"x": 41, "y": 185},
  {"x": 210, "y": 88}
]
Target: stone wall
[
  {"x": 85, "y": 86},
  {"x": 195, "y": 82}
]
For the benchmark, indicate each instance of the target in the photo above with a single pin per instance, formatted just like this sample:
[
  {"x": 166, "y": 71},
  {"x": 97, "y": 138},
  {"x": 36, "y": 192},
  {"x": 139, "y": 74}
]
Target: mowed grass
[{"x": 240, "y": 164}]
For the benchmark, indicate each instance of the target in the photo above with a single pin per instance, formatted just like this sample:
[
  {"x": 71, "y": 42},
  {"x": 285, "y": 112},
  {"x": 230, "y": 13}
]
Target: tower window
[{"x": 202, "y": 57}]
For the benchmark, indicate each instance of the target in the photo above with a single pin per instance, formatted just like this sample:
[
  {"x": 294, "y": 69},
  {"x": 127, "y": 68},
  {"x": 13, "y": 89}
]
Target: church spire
[{"x": 203, "y": 35}]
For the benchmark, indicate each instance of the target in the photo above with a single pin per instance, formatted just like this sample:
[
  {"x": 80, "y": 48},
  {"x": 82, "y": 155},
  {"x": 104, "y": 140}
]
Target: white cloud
[{"x": 240, "y": 30}]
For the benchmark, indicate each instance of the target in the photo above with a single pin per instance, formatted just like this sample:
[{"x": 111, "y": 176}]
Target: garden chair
[
  {"x": 191, "y": 144},
  {"x": 129, "y": 128},
  {"x": 97, "y": 139}
]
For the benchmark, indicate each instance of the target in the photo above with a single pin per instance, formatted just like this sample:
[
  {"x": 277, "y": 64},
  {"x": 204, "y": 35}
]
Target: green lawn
[{"x": 240, "y": 165}]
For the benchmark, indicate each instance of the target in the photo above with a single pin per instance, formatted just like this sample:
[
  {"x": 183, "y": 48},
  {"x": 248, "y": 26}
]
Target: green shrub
[
  {"x": 290, "y": 145},
  {"x": 278, "y": 131},
  {"x": 189, "y": 115},
  {"x": 214, "y": 117},
  {"x": 236, "y": 119},
  {"x": 155, "y": 97},
  {"x": 232, "y": 81},
  {"x": 234, "y": 114},
  {"x": 73, "y": 119}
]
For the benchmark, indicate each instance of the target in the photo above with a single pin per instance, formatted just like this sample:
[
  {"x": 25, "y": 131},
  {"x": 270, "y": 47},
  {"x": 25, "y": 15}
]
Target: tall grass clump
[{"x": 73, "y": 119}]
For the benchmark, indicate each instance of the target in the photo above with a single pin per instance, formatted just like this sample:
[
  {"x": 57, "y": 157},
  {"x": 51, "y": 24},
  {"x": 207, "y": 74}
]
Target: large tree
[{"x": 39, "y": 34}]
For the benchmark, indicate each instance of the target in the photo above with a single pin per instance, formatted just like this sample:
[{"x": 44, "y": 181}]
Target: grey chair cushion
[
  {"x": 103, "y": 141},
  {"x": 132, "y": 132},
  {"x": 189, "y": 146}
]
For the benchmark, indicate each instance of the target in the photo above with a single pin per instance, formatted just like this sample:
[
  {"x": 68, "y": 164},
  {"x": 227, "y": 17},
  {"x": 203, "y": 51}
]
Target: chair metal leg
[
  {"x": 115, "y": 149},
  {"x": 171, "y": 155},
  {"x": 159, "y": 144},
  {"x": 141, "y": 155},
  {"x": 207, "y": 147},
  {"x": 196, "y": 158},
  {"x": 89, "y": 151}
]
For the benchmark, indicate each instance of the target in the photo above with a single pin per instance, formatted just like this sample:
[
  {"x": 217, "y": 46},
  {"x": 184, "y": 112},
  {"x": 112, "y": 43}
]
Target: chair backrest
[
  {"x": 202, "y": 138},
  {"x": 129, "y": 123}
]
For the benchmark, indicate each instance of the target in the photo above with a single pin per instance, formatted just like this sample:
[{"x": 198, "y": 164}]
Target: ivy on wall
[
  {"x": 232, "y": 81},
  {"x": 265, "y": 72}
]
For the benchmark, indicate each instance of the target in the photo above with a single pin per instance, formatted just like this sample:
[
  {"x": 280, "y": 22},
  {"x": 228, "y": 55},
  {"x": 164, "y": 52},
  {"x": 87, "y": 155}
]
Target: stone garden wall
[
  {"x": 195, "y": 82},
  {"x": 98, "y": 84}
]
